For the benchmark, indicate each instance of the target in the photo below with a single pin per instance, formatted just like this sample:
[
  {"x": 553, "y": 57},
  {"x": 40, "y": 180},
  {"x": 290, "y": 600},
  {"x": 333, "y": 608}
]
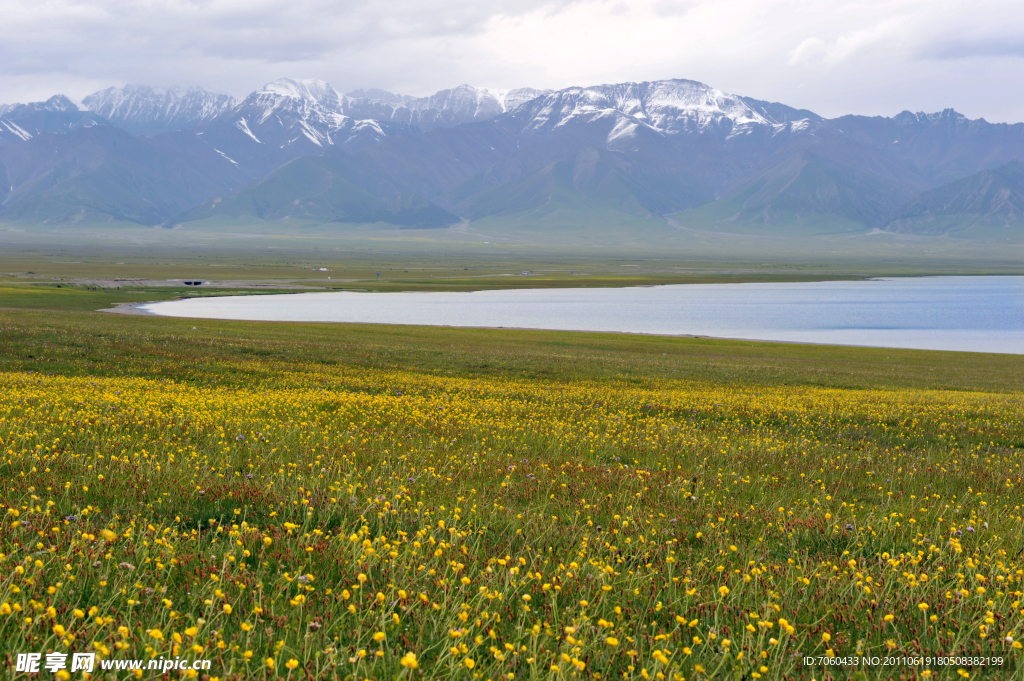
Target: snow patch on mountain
[
  {"x": 243, "y": 125},
  {"x": 624, "y": 129},
  {"x": 368, "y": 125},
  {"x": 314, "y": 136},
  {"x": 226, "y": 156},
  {"x": 14, "y": 128}
]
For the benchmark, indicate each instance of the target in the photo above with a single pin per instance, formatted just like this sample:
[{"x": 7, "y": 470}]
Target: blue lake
[{"x": 978, "y": 314}]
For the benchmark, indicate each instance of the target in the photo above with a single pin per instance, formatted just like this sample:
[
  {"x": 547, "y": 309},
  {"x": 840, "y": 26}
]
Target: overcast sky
[{"x": 831, "y": 56}]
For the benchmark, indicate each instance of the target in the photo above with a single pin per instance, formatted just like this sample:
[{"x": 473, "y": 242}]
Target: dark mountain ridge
[
  {"x": 985, "y": 200},
  {"x": 102, "y": 173},
  {"x": 332, "y": 187}
]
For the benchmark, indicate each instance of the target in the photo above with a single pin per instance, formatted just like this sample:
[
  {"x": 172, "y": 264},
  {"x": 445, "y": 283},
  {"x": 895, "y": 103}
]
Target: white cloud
[{"x": 815, "y": 51}]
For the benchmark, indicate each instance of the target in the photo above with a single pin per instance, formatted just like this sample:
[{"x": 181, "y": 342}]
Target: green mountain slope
[
  {"x": 989, "y": 204},
  {"x": 333, "y": 187},
  {"x": 589, "y": 181},
  {"x": 103, "y": 174},
  {"x": 826, "y": 184}
]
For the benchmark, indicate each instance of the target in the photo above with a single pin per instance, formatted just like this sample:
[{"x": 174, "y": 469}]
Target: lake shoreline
[
  {"x": 688, "y": 336},
  {"x": 972, "y": 314},
  {"x": 132, "y": 309}
]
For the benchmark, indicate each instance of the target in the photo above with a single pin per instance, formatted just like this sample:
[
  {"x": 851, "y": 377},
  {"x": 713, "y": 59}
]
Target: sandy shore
[{"x": 129, "y": 308}]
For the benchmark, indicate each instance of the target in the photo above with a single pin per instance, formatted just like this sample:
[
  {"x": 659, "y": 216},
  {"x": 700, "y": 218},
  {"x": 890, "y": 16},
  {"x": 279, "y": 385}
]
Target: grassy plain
[
  {"x": 154, "y": 272},
  {"x": 352, "y": 501},
  {"x": 487, "y": 254}
]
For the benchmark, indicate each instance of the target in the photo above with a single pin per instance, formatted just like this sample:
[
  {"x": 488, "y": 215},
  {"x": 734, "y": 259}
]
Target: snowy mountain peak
[
  {"x": 921, "y": 118},
  {"x": 511, "y": 100},
  {"x": 58, "y": 103},
  {"x": 443, "y": 109},
  {"x": 58, "y": 114},
  {"x": 144, "y": 110},
  {"x": 377, "y": 95},
  {"x": 300, "y": 116},
  {"x": 310, "y": 90}
]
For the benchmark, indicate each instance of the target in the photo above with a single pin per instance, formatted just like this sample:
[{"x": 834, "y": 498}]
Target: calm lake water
[{"x": 978, "y": 314}]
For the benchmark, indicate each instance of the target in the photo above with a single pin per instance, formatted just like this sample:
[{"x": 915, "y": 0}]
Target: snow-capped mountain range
[
  {"x": 58, "y": 114},
  {"x": 447, "y": 108},
  {"x": 302, "y": 117},
  {"x": 143, "y": 110},
  {"x": 666, "y": 107},
  {"x": 645, "y": 149},
  {"x": 290, "y": 111},
  {"x": 670, "y": 107}
]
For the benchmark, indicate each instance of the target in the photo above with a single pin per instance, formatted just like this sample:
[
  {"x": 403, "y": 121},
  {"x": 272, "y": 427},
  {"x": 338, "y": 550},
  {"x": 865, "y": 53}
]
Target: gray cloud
[
  {"x": 672, "y": 8},
  {"x": 832, "y": 56},
  {"x": 970, "y": 49},
  {"x": 85, "y": 36}
]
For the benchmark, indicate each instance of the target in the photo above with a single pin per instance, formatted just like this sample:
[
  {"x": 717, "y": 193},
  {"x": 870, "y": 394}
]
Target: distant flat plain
[{"x": 376, "y": 258}]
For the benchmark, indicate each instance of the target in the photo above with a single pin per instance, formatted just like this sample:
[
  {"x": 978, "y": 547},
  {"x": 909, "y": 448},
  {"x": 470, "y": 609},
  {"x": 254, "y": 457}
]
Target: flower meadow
[{"x": 347, "y": 522}]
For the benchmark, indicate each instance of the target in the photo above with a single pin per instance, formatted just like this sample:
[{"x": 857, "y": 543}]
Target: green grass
[
  {"x": 82, "y": 298},
  {"x": 104, "y": 344},
  {"x": 576, "y": 241}
]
